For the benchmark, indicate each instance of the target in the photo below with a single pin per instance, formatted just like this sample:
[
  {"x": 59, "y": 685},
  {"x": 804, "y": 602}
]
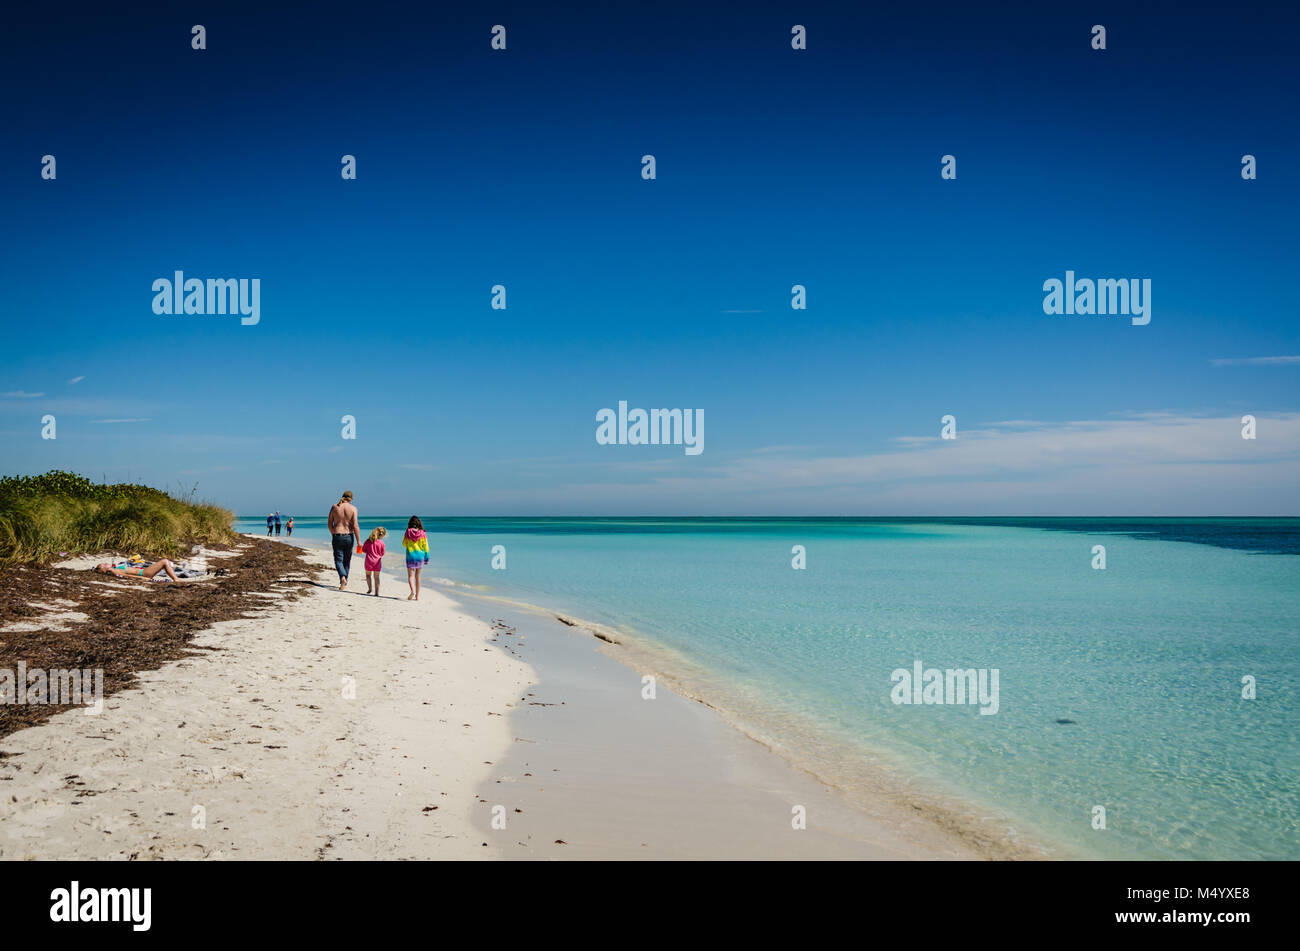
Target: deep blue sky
[{"x": 775, "y": 167}]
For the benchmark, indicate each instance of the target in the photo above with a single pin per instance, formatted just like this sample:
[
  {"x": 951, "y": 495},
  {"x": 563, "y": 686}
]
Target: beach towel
[{"x": 417, "y": 548}]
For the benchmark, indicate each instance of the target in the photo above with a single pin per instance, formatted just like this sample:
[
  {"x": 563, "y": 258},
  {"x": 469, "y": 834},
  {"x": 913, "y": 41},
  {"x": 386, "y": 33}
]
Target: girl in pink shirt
[{"x": 374, "y": 552}]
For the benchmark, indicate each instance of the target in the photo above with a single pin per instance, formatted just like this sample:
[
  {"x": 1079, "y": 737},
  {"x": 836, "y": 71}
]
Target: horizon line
[{"x": 930, "y": 516}]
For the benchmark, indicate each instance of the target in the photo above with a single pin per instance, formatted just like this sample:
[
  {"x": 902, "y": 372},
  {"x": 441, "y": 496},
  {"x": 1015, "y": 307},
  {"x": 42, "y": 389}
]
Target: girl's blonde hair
[{"x": 379, "y": 532}]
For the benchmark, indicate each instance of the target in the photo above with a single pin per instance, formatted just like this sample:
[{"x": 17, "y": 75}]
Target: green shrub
[{"x": 43, "y": 517}]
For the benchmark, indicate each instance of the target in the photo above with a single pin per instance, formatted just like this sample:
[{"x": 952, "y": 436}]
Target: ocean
[{"x": 1121, "y": 727}]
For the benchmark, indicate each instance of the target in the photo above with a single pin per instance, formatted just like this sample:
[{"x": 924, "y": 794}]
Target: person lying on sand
[{"x": 157, "y": 566}]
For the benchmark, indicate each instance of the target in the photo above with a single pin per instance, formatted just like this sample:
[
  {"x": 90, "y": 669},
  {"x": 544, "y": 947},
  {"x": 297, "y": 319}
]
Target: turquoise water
[{"x": 1145, "y": 659}]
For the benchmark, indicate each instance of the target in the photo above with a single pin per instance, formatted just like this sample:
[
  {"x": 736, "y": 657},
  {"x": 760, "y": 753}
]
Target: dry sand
[
  {"x": 261, "y": 737},
  {"x": 459, "y": 742}
]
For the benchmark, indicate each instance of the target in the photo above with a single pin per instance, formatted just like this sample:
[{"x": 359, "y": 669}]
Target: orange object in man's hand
[{"x": 360, "y": 550}]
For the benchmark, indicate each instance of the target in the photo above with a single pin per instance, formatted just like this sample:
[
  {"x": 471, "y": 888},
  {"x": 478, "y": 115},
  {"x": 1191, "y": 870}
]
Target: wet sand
[{"x": 615, "y": 775}]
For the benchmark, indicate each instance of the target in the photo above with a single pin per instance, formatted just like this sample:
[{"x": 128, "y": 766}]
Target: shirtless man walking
[{"x": 345, "y": 534}]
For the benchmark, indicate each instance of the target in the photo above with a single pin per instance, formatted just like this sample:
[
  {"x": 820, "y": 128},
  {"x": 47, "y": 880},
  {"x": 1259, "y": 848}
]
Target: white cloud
[
  {"x": 76, "y": 379},
  {"x": 1151, "y": 464},
  {"x": 1255, "y": 361},
  {"x": 21, "y": 395}
]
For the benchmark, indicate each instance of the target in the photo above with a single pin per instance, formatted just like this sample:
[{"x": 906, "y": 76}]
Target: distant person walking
[
  {"x": 277, "y": 523},
  {"x": 270, "y": 520},
  {"x": 345, "y": 535},
  {"x": 417, "y": 554},
  {"x": 288, "y": 528}
]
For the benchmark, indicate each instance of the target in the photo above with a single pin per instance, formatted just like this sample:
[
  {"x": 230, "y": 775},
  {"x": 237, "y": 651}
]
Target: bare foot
[{"x": 410, "y": 597}]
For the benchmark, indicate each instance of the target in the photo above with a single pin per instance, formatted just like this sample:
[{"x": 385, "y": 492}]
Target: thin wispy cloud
[
  {"x": 76, "y": 379},
  {"x": 72, "y": 404},
  {"x": 915, "y": 440},
  {"x": 1255, "y": 361},
  {"x": 21, "y": 395}
]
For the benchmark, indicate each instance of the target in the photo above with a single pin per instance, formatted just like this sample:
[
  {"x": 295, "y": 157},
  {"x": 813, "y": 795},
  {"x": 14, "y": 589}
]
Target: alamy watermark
[
  {"x": 75, "y": 903},
  {"x": 933, "y": 686},
  {"x": 180, "y": 295},
  {"x": 1103, "y": 297},
  {"x": 55, "y": 687},
  {"x": 655, "y": 427}
]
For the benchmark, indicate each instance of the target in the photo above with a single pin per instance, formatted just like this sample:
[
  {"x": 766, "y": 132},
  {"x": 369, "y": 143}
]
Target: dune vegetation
[{"x": 58, "y": 514}]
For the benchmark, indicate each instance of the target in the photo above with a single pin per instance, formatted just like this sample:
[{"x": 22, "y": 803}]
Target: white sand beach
[{"x": 341, "y": 726}]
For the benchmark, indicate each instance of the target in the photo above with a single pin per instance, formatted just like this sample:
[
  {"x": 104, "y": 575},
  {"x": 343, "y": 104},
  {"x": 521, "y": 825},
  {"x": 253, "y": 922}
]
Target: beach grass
[{"x": 60, "y": 514}]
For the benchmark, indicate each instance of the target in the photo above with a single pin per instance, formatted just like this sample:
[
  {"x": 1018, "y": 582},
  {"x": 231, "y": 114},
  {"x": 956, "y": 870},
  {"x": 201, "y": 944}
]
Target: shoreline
[
  {"x": 668, "y": 778},
  {"x": 583, "y": 710},
  {"x": 942, "y": 822},
  {"x": 571, "y": 655},
  {"x": 474, "y": 733}
]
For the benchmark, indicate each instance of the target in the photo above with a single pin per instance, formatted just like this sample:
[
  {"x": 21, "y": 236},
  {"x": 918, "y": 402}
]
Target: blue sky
[{"x": 775, "y": 167}]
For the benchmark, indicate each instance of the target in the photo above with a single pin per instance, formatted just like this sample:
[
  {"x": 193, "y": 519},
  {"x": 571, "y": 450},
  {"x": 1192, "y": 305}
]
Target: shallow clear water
[{"x": 1145, "y": 658}]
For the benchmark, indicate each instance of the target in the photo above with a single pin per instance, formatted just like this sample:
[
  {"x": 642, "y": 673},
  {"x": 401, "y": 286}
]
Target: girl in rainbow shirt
[{"x": 416, "y": 544}]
